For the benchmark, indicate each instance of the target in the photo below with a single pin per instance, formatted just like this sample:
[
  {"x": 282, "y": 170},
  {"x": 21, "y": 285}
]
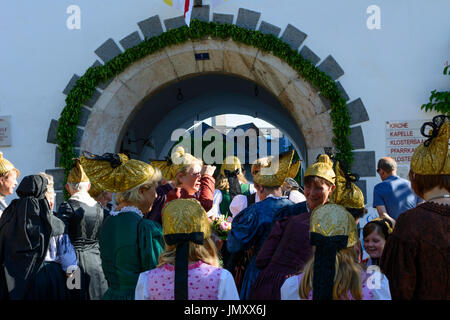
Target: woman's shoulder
[{"x": 150, "y": 225}]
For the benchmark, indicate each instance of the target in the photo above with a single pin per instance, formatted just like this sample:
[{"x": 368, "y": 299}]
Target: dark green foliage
[{"x": 439, "y": 101}]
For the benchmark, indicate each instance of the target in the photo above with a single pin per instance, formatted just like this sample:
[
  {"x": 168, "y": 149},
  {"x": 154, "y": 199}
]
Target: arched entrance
[
  {"x": 296, "y": 101},
  {"x": 106, "y": 115},
  {"x": 198, "y": 98}
]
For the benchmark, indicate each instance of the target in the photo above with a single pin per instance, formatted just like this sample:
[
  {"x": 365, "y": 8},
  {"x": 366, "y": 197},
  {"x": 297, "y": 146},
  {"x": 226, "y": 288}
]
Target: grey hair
[
  {"x": 50, "y": 193},
  {"x": 133, "y": 195},
  {"x": 80, "y": 186},
  {"x": 387, "y": 164}
]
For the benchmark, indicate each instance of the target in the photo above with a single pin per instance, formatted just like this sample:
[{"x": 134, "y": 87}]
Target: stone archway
[
  {"x": 114, "y": 103},
  {"x": 122, "y": 97}
]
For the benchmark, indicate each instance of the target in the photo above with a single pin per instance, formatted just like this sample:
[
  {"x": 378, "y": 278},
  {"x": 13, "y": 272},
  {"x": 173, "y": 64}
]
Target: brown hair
[
  {"x": 206, "y": 252},
  {"x": 424, "y": 183},
  {"x": 371, "y": 227},
  {"x": 315, "y": 179},
  {"x": 347, "y": 276}
]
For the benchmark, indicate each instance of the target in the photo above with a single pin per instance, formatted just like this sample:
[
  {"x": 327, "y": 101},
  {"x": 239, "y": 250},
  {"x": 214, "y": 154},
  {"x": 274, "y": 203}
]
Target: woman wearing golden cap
[
  {"x": 350, "y": 196},
  {"x": 287, "y": 248},
  {"x": 83, "y": 217},
  {"x": 129, "y": 244},
  {"x": 251, "y": 226},
  {"x": 194, "y": 180},
  {"x": 417, "y": 254},
  {"x": 188, "y": 269},
  {"x": 332, "y": 273},
  {"x": 8, "y": 180}
]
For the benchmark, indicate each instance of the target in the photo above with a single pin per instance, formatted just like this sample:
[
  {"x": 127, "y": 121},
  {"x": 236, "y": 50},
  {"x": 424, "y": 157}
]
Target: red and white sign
[{"x": 402, "y": 139}]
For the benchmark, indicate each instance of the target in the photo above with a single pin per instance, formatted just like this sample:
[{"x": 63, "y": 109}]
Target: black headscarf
[
  {"x": 324, "y": 263},
  {"x": 181, "y": 259},
  {"x": 25, "y": 230}
]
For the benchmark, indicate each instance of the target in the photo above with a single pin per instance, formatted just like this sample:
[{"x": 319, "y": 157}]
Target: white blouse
[
  {"x": 239, "y": 203},
  {"x": 3, "y": 205},
  {"x": 227, "y": 287},
  {"x": 296, "y": 196},
  {"x": 376, "y": 282},
  {"x": 214, "y": 212},
  {"x": 379, "y": 282},
  {"x": 61, "y": 251},
  {"x": 289, "y": 289}
]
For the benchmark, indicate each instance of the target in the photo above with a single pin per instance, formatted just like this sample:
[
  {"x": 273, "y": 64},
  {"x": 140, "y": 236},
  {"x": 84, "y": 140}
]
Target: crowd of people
[{"x": 286, "y": 242}]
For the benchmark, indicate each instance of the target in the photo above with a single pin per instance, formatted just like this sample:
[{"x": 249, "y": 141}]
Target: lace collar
[{"x": 127, "y": 209}]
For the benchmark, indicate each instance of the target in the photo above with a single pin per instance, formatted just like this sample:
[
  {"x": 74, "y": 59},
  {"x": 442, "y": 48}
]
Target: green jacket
[{"x": 129, "y": 245}]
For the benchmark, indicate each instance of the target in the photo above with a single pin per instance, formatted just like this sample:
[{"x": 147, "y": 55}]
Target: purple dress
[
  {"x": 158, "y": 204},
  {"x": 283, "y": 254}
]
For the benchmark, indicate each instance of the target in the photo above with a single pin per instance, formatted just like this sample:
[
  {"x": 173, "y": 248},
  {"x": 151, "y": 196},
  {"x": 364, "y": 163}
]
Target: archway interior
[{"x": 182, "y": 104}]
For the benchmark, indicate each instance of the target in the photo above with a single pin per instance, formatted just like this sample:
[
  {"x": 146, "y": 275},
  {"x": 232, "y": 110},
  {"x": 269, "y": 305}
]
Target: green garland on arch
[{"x": 85, "y": 86}]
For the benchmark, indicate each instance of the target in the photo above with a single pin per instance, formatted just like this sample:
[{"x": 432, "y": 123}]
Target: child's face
[{"x": 374, "y": 244}]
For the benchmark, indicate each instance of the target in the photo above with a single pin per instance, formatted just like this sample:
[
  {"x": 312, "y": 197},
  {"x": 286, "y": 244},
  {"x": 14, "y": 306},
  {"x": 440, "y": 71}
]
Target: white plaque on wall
[
  {"x": 402, "y": 139},
  {"x": 5, "y": 131}
]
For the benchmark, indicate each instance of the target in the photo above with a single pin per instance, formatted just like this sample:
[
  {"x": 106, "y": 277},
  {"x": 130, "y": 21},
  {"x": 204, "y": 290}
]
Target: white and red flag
[
  {"x": 187, "y": 5},
  {"x": 183, "y": 5}
]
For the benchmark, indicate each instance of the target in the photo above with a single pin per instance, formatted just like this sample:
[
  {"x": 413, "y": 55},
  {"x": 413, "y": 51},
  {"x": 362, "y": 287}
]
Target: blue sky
[{"x": 238, "y": 119}]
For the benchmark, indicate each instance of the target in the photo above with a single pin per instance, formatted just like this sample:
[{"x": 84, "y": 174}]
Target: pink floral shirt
[{"x": 205, "y": 282}]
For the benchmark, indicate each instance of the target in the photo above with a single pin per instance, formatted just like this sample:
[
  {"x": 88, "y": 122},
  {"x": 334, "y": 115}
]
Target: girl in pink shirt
[{"x": 188, "y": 268}]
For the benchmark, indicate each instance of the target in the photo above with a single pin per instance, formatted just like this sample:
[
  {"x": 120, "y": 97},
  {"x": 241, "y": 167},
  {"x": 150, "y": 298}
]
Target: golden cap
[
  {"x": 323, "y": 168},
  {"x": 94, "y": 191},
  {"x": 346, "y": 193},
  {"x": 180, "y": 158},
  {"x": 333, "y": 220},
  {"x": 77, "y": 173},
  {"x": 6, "y": 165},
  {"x": 433, "y": 159},
  {"x": 167, "y": 170},
  {"x": 230, "y": 163},
  {"x": 283, "y": 164},
  {"x": 128, "y": 174},
  {"x": 185, "y": 216}
]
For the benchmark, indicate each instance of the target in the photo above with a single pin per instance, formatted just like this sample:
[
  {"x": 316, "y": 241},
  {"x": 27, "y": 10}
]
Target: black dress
[
  {"x": 26, "y": 227},
  {"x": 83, "y": 224},
  {"x": 50, "y": 282}
]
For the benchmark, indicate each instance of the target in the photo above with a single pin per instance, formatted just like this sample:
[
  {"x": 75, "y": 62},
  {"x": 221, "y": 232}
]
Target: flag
[{"x": 183, "y": 5}]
